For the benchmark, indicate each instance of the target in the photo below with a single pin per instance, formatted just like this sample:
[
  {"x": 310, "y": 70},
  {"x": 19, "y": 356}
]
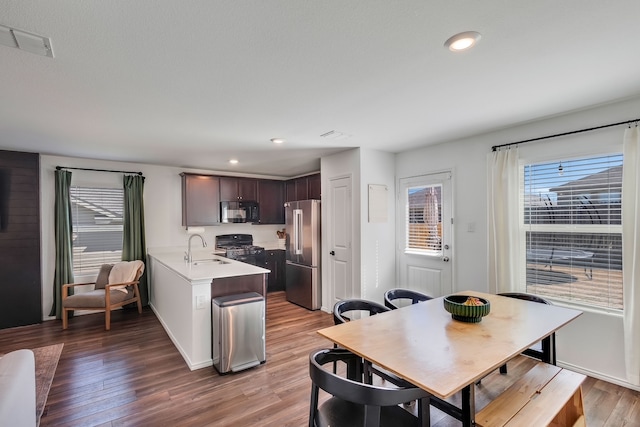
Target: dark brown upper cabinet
[
  {"x": 313, "y": 187},
  {"x": 303, "y": 188},
  {"x": 290, "y": 190},
  {"x": 232, "y": 188},
  {"x": 271, "y": 201},
  {"x": 200, "y": 200}
]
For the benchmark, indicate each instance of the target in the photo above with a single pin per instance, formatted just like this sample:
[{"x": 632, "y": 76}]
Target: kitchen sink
[{"x": 210, "y": 261}]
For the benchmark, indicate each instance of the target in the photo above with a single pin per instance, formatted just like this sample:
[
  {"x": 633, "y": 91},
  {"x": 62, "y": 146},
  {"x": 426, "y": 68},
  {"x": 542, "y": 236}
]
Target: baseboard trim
[
  {"x": 599, "y": 376},
  {"x": 192, "y": 366}
]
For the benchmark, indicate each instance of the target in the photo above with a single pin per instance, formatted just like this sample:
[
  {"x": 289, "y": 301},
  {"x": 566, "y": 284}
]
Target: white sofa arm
[{"x": 18, "y": 389}]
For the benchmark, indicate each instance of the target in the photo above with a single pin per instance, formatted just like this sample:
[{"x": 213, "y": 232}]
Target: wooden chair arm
[
  {"x": 67, "y": 286},
  {"x": 70, "y": 285},
  {"x": 135, "y": 282}
]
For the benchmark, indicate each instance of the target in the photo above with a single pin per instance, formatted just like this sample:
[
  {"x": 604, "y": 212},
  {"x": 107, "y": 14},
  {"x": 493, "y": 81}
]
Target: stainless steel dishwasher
[{"x": 237, "y": 332}]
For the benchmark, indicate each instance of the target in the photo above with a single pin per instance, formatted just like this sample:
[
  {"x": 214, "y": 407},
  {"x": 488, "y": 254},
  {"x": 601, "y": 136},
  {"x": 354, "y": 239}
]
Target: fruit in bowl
[
  {"x": 472, "y": 301},
  {"x": 467, "y": 308}
]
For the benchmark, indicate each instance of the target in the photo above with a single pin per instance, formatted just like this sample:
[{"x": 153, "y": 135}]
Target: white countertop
[{"x": 206, "y": 265}]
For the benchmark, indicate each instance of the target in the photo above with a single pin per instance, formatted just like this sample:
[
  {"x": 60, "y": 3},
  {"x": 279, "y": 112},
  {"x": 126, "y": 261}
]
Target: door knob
[
  {"x": 445, "y": 259},
  {"x": 332, "y": 253}
]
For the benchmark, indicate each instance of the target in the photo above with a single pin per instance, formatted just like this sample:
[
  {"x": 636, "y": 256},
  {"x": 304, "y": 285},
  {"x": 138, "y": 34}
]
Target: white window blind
[
  {"x": 97, "y": 228},
  {"x": 424, "y": 219},
  {"x": 572, "y": 228}
]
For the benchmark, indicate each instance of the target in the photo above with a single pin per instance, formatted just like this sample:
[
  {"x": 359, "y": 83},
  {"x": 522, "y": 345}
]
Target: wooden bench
[{"x": 545, "y": 396}]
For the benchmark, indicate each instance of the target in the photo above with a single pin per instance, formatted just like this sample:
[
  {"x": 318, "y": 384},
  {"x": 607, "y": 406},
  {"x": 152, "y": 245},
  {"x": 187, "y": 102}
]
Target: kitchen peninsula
[{"x": 180, "y": 295}]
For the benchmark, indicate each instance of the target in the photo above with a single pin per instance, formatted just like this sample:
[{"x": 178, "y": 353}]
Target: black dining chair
[
  {"x": 546, "y": 349},
  {"x": 352, "y": 309},
  {"x": 349, "y": 309},
  {"x": 392, "y": 296},
  {"x": 354, "y": 403}
]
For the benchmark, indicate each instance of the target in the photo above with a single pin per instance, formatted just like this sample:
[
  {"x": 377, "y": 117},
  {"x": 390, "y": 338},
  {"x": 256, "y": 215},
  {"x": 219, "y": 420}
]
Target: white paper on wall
[{"x": 378, "y": 203}]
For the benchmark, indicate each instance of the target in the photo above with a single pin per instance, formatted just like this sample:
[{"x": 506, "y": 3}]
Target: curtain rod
[
  {"x": 495, "y": 147},
  {"x": 96, "y": 170}
]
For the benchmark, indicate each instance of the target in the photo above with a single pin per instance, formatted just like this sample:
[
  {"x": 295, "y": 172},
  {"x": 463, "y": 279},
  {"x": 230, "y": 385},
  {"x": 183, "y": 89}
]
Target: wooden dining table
[{"x": 422, "y": 344}]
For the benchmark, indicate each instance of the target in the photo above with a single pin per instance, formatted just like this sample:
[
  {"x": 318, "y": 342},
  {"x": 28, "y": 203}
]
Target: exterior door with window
[{"x": 424, "y": 251}]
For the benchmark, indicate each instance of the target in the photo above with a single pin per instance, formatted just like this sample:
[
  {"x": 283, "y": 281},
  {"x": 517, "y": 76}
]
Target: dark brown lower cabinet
[
  {"x": 275, "y": 261},
  {"x": 20, "y": 273}
]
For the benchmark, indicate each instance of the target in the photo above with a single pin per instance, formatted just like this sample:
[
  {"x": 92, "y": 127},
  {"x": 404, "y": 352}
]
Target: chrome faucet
[{"x": 187, "y": 256}]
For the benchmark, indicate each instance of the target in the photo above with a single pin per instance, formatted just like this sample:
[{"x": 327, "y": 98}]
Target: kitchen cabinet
[
  {"x": 200, "y": 200},
  {"x": 232, "y": 188},
  {"x": 290, "y": 190},
  {"x": 303, "y": 188},
  {"x": 275, "y": 261},
  {"x": 181, "y": 296},
  {"x": 271, "y": 201},
  {"x": 313, "y": 186}
]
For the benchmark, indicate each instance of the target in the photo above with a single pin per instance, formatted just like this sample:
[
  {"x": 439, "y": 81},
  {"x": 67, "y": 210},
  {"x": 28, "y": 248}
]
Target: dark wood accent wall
[{"x": 20, "y": 272}]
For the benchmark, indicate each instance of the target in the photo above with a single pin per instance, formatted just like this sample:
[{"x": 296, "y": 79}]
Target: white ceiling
[{"x": 195, "y": 83}]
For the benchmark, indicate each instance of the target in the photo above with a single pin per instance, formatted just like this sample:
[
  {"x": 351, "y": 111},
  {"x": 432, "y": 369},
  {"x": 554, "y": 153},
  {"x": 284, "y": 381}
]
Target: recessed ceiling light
[
  {"x": 462, "y": 41},
  {"x": 233, "y": 161},
  {"x": 277, "y": 140}
]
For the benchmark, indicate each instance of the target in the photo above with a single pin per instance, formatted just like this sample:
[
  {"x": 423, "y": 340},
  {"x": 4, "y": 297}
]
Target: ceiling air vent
[
  {"x": 25, "y": 41},
  {"x": 334, "y": 134}
]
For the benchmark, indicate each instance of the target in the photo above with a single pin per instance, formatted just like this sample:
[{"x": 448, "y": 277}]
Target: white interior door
[
  {"x": 340, "y": 248},
  {"x": 424, "y": 234}
]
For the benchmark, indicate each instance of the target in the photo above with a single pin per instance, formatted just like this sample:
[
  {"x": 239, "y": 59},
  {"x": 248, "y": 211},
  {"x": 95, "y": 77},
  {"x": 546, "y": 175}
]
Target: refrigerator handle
[{"x": 297, "y": 231}]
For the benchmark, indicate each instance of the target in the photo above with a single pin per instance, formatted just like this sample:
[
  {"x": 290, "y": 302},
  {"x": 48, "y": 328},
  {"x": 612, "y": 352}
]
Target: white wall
[
  {"x": 373, "y": 243},
  {"x": 592, "y": 343},
  {"x": 377, "y": 268},
  {"x": 163, "y": 209},
  {"x": 466, "y": 160},
  {"x": 346, "y": 163}
]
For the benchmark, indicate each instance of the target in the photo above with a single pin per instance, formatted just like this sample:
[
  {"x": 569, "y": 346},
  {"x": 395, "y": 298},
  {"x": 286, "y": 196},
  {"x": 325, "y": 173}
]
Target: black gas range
[{"x": 240, "y": 247}]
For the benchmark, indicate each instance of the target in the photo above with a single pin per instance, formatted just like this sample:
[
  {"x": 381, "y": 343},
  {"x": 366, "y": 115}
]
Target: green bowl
[{"x": 466, "y": 313}]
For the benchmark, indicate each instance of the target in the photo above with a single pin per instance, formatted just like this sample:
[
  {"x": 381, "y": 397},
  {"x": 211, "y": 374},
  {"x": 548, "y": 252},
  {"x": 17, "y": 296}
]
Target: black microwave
[{"x": 239, "y": 211}]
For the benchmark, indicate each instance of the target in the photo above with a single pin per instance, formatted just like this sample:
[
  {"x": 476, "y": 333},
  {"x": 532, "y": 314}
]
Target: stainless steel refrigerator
[{"x": 303, "y": 284}]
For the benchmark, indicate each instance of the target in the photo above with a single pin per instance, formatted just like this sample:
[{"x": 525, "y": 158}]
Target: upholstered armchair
[{"x": 115, "y": 286}]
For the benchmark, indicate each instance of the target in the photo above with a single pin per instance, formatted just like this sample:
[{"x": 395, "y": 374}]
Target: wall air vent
[{"x": 25, "y": 41}]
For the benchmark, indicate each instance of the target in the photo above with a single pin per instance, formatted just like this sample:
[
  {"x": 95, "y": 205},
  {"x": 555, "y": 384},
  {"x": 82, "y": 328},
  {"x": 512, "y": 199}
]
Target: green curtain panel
[
  {"x": 133, "y": 239},
  {"x": 64, "y": 248}
]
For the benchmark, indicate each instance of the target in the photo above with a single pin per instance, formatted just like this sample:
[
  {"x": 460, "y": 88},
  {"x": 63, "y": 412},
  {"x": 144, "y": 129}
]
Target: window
[
  {"x": 97, "y": 228},
  {"x": 424, "y": 219},
  {"x": 572, "y": 230}
]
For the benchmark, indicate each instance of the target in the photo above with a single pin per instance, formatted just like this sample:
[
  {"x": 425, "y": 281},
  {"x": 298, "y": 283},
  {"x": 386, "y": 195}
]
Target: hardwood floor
[{"x": 134, "y": 376}]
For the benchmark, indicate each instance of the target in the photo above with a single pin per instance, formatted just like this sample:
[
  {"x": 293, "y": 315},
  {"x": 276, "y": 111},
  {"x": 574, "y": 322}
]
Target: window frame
[
  {"x": 429, "y": 180},
  {"x": 558, "y": 228},
  {"x": 86, "y": 273}
]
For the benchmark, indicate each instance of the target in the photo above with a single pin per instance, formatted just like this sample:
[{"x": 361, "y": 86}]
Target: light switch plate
[{"x": 201, "y": 302}]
